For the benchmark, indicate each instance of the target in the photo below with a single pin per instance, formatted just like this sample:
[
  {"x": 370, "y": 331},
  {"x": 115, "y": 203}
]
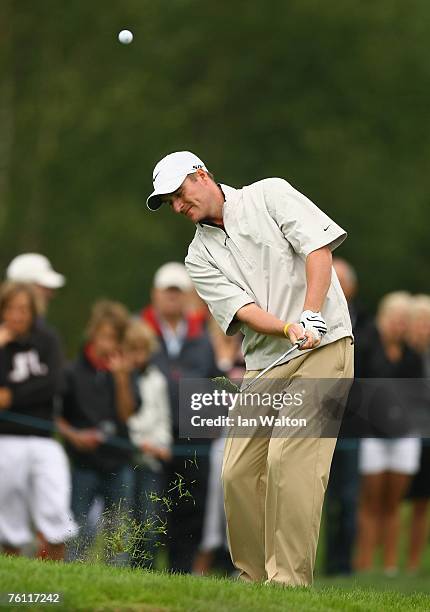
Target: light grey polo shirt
[{"x": 270, "y": 229}]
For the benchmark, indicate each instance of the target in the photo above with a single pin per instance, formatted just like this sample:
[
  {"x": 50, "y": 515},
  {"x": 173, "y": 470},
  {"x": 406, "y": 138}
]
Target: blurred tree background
[{"x": 333, "y": 96}]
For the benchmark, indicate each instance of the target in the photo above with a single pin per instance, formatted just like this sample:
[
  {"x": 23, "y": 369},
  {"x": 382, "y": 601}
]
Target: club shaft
[{"x": 296, "y": 345}]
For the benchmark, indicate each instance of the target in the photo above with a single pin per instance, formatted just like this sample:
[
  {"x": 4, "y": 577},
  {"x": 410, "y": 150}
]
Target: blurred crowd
[{"x": 90, "y": 449}]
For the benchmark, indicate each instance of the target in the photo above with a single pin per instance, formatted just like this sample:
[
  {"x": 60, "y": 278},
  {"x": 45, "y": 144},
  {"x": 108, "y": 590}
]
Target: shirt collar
[
  {"x": 230, "y": 193},
  {"x": 230, "y": 197}
]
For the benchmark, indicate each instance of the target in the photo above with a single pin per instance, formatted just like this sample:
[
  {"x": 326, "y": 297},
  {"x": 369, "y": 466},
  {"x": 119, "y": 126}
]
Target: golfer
[{"x": 261, "y": 259}]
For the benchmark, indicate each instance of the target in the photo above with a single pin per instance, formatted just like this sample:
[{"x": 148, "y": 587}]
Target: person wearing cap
[
  {"x": 261, "y": 258},
  {"x": 185, "y": 351},
  {"x": 36, "y": 269}
]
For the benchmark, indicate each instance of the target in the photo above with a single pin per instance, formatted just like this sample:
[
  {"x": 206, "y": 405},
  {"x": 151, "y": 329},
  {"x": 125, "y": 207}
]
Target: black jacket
[
  {"x": 89, "y": 401},
  {"x": 31, "y": 368},
  {"x": 387, "y": 398}
]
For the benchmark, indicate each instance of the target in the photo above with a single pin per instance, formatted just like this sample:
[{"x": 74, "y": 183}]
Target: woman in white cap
[{"x": 36, "y": 269}]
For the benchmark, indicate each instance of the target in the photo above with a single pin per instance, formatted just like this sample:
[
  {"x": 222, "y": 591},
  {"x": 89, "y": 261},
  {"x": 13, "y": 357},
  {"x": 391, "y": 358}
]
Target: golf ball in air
[{"x": 125, "y": 37}]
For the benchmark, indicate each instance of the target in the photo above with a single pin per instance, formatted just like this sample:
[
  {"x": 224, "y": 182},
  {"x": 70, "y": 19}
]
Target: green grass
[
  {"x": 98, "y": 587},
  {"x": 93, "y": 586}
]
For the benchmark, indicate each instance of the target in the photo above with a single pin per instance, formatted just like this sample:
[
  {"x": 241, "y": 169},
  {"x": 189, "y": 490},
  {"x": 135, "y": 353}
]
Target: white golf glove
[{"x": 314, "y": 322}]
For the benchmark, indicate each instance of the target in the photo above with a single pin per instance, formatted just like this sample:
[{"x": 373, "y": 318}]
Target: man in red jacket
[{"x": 185, "y": 352}]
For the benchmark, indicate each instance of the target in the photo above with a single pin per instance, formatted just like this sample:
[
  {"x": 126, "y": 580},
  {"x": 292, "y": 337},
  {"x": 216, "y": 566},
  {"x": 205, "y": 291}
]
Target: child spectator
[
  {"x": 34, "y": 472},
  {"x": 151, "y": 431},
  {"x": 100, "y": 396}
]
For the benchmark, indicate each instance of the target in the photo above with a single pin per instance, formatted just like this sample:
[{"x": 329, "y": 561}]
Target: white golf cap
[
  {"x": 172, "y": 275},
  {"x": 34, "y": 268},
  {"x": 170, "y": 173}
]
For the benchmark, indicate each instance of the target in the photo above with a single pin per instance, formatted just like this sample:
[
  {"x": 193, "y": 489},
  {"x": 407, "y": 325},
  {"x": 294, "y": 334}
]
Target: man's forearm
[
  {"x": 318, "y": 278},
  {"x": 260, "y": 321}
]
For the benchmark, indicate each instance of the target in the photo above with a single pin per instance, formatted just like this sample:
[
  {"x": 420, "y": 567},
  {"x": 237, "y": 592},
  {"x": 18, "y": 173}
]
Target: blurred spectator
[
  {"x": 386, "y": 464},
  {"x": 213, "y": 549},
  {"x": 342, "y": 491},
  {"x": 196, "y": 308},
  {"x": 185, "y": 352},
  {"x": 36, "y": 269},
  {"x": 34, "y": 472},
  {"x": 99, "y": 398},
  {"x": 151, "y": 431},
  {"x": 419, "y": 493},
  {"x": 228, "y": 350},
  {"x": 349, "y": 283}
]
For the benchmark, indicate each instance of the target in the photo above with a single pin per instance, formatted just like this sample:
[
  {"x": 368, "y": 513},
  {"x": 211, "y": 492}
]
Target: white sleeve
[
  {"x": 152, "y": 422},
  {"x": 304, "y": 225},
  {"x": 223, "y": 297}
]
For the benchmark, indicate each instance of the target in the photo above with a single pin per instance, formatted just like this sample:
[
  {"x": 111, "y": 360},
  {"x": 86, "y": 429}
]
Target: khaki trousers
[{"x": 274, "y": 486}]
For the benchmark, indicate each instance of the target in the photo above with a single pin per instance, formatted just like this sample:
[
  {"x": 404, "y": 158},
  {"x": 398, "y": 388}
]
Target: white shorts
[
  {"x": 401, "y": 455},
  {"x": 35, "y": 491}
]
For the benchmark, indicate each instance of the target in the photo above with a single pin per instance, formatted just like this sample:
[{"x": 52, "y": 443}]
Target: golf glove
[{"x": 314, "y": 321}]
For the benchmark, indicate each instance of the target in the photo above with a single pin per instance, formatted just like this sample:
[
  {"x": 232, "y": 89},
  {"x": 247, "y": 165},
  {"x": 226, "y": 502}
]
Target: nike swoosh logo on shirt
[{"x": 326, "y": 228}]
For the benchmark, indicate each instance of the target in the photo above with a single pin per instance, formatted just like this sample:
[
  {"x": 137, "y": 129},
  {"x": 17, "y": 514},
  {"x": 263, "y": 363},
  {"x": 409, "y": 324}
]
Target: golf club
[{"x": 295, "y": 346}]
